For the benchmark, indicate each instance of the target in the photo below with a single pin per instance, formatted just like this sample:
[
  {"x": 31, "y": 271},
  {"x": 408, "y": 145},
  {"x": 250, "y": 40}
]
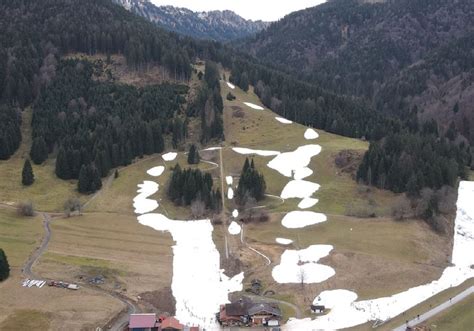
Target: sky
[{"x": 267, "y": 10}]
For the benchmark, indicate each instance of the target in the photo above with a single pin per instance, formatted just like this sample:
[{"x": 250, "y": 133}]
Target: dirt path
[
  {"x": 119, "y": 321},
  {"x": 436, "y": 310}
]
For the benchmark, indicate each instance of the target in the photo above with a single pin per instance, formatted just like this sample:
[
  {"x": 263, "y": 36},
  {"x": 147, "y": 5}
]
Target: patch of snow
[
  {"x": 235, "y": 213},
  {"x": 302, "y": 173},
  {"x": 307, "y": 203},
  {"x": 301, "y": 219},
  {"x": 141, "y": 203},
  {"x": 232, "y": 86},
  {"x": 299, "y": 189},
  {"x": 229, "y": 180},
  {"x": 332, "y": 299},
  {"x": 199, "y": 285},
  {"x": 230, "y": 193},
  {"x": 345, "y": 315},
  {"x": 212, "y": 149},
  {"x": 291, "y": 163},
  {"x": 248, "y": 151},
  {"x": 302, "y": 266},
  {"x": 156, "y": 171},
  {"x": 253, "y": 106},
  {"x": 169, "y": 156},
  {"x": 310, "y": 134},
  {"x": 283, "y": 120},
  {"x": 234, "y": 228},
  {"x": 283, "y": 241}
]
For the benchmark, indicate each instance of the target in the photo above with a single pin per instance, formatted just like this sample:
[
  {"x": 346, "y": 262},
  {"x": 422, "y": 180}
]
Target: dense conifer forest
[
  {"x": 251, "y": 184},
  {"x": 192, "y": 186},
  {"x": 101, "y": 124}
]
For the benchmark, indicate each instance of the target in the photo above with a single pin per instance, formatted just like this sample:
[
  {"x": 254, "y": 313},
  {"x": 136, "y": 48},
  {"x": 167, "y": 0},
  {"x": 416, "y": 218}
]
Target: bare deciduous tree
[
  {"x": 72, "y": 205},
  {"x": 402, "y": 208},
  {"x": 302, "y": 276},
  {"x": 25, "y": 208},
  {"x": 198, "y": 208}
]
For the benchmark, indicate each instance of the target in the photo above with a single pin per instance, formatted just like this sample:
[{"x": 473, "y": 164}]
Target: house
[
  {"x": 235, "y": 313},
  {"x": 317, "y": 309},
  {"x": 171, "y": 324},
  {"x": 143, "y": 322},
  {"x": 244, "y": 312},
  {"x": 266, "y": 314}
]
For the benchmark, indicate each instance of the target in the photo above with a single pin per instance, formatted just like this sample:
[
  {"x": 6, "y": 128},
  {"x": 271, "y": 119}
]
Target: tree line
[{"x": 208, "y": 105}]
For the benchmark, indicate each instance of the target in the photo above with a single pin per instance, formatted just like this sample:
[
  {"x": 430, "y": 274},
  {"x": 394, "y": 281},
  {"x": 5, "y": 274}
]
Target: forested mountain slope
[
  {"x": 360, "y": 49},
  {"x": 215, "y": 25}
]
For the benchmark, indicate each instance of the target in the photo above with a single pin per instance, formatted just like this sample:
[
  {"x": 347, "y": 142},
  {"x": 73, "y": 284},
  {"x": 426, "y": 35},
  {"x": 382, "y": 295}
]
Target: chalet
[
  {"x": 171, "y": 324},
  {"x": 244, "y": 312},
  {"x": 317, "y": 309},
  {"x": 143, "y": 322},
  {"x": 265, "y": 314}
]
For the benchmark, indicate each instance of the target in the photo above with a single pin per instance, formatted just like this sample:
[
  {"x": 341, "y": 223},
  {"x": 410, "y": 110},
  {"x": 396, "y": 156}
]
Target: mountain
[
  {"x": 215, "y": 25},
  {"x": 367, "y": 49}
]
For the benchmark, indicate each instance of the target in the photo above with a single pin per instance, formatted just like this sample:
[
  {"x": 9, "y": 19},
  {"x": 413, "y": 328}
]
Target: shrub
[{"x": 25, "y": 209}]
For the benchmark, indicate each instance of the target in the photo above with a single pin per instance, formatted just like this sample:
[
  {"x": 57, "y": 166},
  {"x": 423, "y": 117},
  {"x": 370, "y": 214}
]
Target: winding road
[{"x": 120, "y": 321}]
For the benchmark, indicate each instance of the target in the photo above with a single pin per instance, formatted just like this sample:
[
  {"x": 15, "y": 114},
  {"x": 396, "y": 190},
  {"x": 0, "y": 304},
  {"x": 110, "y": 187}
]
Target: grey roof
[{"x": 264, "y": 307}]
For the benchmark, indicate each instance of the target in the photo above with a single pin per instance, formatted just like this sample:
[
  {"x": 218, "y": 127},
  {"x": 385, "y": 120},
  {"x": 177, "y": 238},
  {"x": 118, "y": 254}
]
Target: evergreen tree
[
  {"x": 62, "y": 165},
  {"x": 4, "y": 266},
  {"x": 27, "y": 176},
  {"x": 251, "y": 184},
  {"x": 193, "y": 155},
  {"x": 84, "y": 181},
  {"x": 244, "y": 82},
  {"x": 39, "y": 150}
]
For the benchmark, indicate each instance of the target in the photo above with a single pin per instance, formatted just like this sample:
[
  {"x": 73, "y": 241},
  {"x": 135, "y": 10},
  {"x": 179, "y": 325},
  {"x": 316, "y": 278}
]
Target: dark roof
[
  {"x": 318, "y": 307},
  {"x": 142, "y": 321},
  {"x": 239, "y": 307},
  {"x": 264, "y": 307}
]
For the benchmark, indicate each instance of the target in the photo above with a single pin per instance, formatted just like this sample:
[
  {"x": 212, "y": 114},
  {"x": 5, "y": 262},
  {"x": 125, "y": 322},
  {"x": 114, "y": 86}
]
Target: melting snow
[
  {"x": 248, "y": 151},
  {"x": 156, "y": 171},
  {"x": 291, "y": 163},
  {"x": 283, "y": 241},
  {"x": 301, "y": 219},
  {"x": 307, "y": 203},
  {"x": 253, "y": 106},
  {"x": 141, "y": 203},
  {"x": 283, "y": 120},
  {"x": 169, "y": 156},
  {"x": 234, "y": 228},
  {"x": 235, "y": 213},
  {"x": 299, "y": 189},
  {"x": 199, "y": 285},
  {"x": 310, "y": 134},
  {"x": 302, "y": 266},
  {"x": 229, "y": 180},
  {"x": 232, "y": 86},
  {"x": 212, "y": 149},
  {"x": 346, "y": 313},
  {"x": 230, "y": 193}
]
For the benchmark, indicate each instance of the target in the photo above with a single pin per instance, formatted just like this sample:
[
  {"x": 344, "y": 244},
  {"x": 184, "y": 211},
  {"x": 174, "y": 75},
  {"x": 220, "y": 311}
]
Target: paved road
[
  {"x": 27, "y": 268},
  {"x": 436, "y": 310}
]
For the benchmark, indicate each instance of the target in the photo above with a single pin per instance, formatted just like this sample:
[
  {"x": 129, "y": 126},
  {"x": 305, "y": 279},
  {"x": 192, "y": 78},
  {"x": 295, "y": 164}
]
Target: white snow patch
[
  {"x": 212, "y": 149},
  {"x": 156, "y": 171},
  {"x": 169, "y": 156},
  {"x": 199, "y": 285},
  {"x": 301, "y": 219},
  {"x": 302, "y": 266},
  {"x": 283, "y": 120},
  {"x": 230, "y": 193},
  {"x": 235, "y": 213},
  {"x": 295, "y": 162},
  {"x": 232, "y": 86},
  {"x": 141, "y": 203},
  {"x": 234, "y": 228},
  {"x": 229, "y": 180},
  {"x": 283, "y": 241},
  {"x": 310, "y": 134},
  {"x": 253, "y": 106},
  {"x": 299, "y": 189},
  {"x": 248, "y": 151},
  {"x": 302, "y": 173},
  {"x": 307, "y": 203},
  {"x": 332, "y": 299},
  {"x": 344, "y": 315}
]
